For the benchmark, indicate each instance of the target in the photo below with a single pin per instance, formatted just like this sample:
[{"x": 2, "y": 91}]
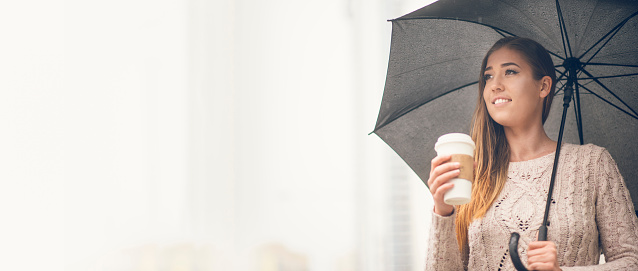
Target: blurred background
[{"x": 202, "y": 135}]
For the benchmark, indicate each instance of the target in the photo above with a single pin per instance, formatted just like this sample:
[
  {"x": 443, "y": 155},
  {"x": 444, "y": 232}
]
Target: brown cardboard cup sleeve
[{"x": 467, "y": 166}]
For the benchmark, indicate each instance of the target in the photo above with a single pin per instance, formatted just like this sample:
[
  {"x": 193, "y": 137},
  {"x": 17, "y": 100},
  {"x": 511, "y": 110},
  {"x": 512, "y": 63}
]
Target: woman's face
[{"x": 512, "y": 96}]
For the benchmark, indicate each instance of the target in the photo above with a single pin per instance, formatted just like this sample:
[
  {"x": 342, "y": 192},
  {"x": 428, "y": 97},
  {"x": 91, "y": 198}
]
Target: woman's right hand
[{"x": 441, "y": 172}]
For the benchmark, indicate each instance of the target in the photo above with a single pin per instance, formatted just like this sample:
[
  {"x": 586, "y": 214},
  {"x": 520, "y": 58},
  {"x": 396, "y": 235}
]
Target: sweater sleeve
[
  {"x": 615, "y": 217},
  {"x": 443, "y": 250}
]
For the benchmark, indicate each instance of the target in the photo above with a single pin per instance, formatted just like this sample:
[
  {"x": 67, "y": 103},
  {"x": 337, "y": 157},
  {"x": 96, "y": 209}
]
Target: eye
[
  {"x": 487, "y": 77},
  {"x": 511, "y": 72}
]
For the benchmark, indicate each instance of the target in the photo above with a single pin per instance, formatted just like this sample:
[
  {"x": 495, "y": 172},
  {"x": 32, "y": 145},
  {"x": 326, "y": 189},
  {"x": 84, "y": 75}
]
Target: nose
[{"x": 496, "y": 85}]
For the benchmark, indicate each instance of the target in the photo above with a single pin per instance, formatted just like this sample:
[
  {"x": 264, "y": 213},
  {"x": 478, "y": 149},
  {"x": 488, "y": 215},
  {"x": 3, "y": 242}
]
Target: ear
[{"x": 546, "y": 85}]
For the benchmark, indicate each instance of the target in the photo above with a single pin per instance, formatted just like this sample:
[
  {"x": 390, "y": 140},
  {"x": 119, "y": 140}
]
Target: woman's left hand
[{"x": 541, "y": 255}]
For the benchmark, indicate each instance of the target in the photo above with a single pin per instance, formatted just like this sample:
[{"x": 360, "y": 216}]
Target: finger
[
  {"x": 440, "y": 192},
  {"x": 541, "y": 249},
  {"x": 445, "y": 168},
  {"x": 541, "y": 258},
  {"x": 438, "y": 161},
  {"x": 434, "y": 164},
  {"x": 540, "y": 266},
  {"x": 541, "y": 255},
  {"x": 534, "y": 249},
  {"x": 440, "y": 170},
  {"x": 443, "y": 179},
  {"x": 533, "y": 253},
  {"x": 541, "y": 244},
  {"x": 439, "y": 189}
]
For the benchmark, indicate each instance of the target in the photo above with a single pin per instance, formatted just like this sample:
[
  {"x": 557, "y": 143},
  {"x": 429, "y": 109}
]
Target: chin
[{"x": 503, "y": 121}]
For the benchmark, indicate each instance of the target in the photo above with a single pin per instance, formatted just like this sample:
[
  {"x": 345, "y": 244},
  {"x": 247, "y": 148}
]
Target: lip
[{"x": 501, "y": 97}]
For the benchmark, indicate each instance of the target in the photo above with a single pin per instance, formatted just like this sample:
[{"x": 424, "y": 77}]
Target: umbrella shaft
[{"x": 542, "y": 231}]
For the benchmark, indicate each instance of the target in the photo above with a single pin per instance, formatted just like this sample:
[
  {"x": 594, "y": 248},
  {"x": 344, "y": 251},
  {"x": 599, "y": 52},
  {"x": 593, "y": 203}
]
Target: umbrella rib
[
  {"x": 562, "y": 74},
  {"x": 556, "y": 55},
  {"x": 498, "y": 30},
  {"x": 452, "y": 19},
  {"x": 611, "y": 64},
  {"x": 613, "y": 30},
  {"x": 563, "y": 30},
  {"x": 559, "y": 78},
  {"x": 559, "y": 89},
  {"x": 609, "y": 90},
  {"x": 610, "y": 103},
  {"x": 602, "y": 77},
  {"x": 530, "y": 18},
  {"x": 421, "y": 67},
  {"x": 603, "y": 46},
  {"x": 412, "y": 109}
]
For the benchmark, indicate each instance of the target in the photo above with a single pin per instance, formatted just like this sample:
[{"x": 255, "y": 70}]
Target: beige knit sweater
[{"x": 591, "y": 212}]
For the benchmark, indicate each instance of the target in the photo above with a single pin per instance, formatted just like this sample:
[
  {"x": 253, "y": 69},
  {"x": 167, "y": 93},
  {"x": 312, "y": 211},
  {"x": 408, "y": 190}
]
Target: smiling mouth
[{"x": 500, "y": 101}]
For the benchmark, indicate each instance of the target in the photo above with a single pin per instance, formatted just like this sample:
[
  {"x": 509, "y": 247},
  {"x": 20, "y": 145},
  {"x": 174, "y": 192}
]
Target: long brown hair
[{"x": 492, "y": 150}]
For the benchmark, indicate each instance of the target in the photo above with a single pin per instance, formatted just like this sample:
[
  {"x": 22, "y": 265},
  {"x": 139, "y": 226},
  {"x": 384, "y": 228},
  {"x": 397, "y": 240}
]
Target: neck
[{"x": 528, "y": 143}]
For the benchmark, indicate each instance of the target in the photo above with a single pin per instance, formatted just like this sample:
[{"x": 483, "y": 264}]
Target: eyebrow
[{"x": 504, "y": 65}]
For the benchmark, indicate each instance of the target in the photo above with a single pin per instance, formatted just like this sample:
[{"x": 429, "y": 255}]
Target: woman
[{"x": 592, "y": 211}]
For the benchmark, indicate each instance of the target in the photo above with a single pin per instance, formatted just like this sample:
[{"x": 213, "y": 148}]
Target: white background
[{"x": 181, "y": 135}]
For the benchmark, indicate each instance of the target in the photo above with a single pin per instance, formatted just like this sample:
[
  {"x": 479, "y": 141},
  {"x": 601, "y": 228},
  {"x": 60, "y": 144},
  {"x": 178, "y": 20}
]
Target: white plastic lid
[{"x": 454, "y": 137}]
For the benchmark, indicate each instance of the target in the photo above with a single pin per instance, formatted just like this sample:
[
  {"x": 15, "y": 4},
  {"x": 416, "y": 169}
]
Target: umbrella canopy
[{"x": 435, "y": 58}]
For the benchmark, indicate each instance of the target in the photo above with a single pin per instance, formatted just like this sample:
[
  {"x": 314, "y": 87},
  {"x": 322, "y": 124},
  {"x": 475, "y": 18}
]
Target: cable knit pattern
[{"x": 591, "y": 212}]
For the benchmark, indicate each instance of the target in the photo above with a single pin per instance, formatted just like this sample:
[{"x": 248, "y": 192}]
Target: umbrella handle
[{"x": 516, "y": 260}]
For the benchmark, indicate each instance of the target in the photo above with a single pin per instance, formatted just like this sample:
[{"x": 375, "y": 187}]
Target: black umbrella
[{"x": 435, "y": 59}]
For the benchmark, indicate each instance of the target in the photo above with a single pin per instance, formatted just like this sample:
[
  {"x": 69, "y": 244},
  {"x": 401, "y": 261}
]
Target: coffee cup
[{"x": 461, "y": 147}]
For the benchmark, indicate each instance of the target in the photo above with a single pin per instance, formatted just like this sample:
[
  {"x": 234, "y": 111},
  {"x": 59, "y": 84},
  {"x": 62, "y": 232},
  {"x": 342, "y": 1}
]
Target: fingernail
[{"x": 457, "y": 164}]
